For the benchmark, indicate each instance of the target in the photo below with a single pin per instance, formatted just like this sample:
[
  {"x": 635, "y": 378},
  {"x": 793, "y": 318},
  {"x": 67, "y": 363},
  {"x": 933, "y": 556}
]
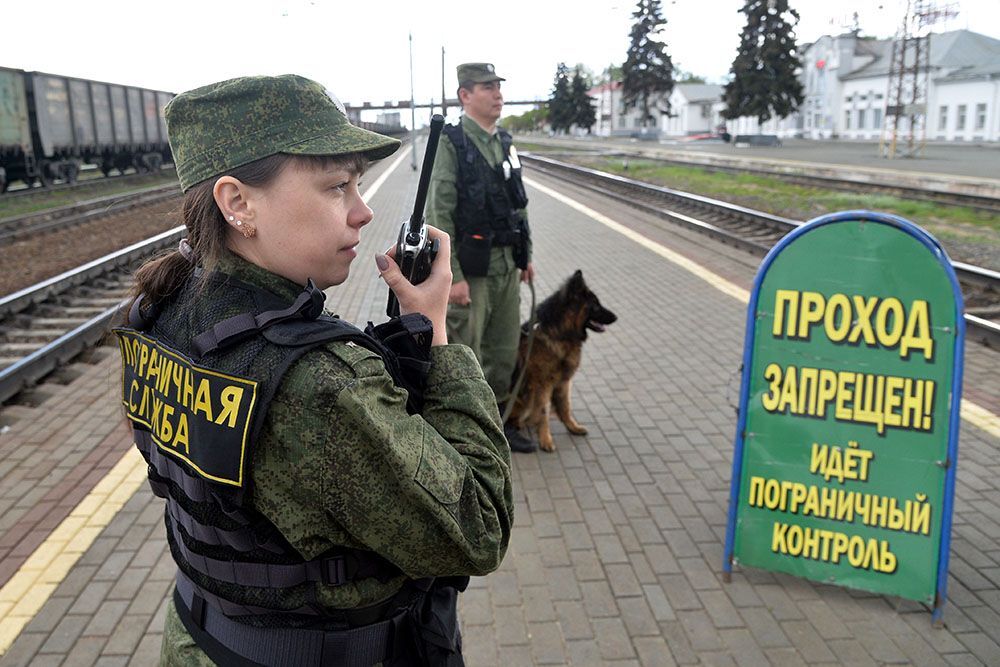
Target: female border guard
[{"x": 318, "y": 514}]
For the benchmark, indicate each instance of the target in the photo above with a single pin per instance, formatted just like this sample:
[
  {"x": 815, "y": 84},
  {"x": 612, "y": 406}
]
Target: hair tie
[{"x": 186, "y": 251}]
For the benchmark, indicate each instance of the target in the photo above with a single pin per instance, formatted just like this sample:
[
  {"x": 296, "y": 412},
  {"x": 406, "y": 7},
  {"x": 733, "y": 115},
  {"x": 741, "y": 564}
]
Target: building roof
[
  {"x": 954, "y": 52},
  {"x": 699, "y": 92},
  {"x": 986, "y": 71},
  {"x": 604, "y": 87}
]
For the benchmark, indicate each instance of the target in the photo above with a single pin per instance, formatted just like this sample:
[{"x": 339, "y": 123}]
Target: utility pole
[
  {"x": 904, "y": 130},
  {"x": 413, "y": 114},
  {"x": 444, "y": 98}
]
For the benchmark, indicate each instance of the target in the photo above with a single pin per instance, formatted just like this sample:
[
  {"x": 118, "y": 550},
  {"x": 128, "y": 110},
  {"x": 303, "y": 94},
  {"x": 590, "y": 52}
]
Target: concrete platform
[
  {"x": 617, "y": 548},
  {"x": 962, "y": 168}
]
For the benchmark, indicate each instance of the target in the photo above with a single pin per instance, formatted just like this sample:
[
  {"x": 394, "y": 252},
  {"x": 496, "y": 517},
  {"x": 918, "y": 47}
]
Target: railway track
[
  {"x": 967, "y": 200},
  {"x": 756, "y": 232},
  {"x": 21, "y": 226},
  {"x": 46, "y": 325}
]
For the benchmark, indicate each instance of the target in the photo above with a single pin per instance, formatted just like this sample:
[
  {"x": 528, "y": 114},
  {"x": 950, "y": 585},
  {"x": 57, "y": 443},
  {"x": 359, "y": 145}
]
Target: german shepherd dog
[{"x": 563, "y": 321}]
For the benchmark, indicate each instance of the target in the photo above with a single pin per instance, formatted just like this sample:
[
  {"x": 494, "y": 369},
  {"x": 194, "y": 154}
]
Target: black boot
[{"x": 518, "y": 441}]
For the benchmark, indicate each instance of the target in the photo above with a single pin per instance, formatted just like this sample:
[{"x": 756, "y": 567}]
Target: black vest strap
[
  {"x": 307, "y": 306},
  {"x": 137, "y": 319},
  {"x": 330, "y": 571},
  {"x": 230, "y": 642},
  {"x": 236, "y": 610},
  {"x": 163, "y": 469},
  {"x": 241, "y": 540}
]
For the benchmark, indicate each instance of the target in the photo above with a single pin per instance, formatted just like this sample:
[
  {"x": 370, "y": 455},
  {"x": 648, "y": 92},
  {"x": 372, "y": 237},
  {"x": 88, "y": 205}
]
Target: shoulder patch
[{"x": 193, "y": 413}]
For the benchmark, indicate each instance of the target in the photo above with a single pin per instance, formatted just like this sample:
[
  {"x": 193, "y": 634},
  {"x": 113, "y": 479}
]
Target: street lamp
[{"x": 413, "y": 114}]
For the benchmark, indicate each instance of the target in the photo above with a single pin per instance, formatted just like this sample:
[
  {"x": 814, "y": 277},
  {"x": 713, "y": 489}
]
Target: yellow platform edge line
[
  {"x": 975, "y": 414},
  {"x": 30, "y": 587}
]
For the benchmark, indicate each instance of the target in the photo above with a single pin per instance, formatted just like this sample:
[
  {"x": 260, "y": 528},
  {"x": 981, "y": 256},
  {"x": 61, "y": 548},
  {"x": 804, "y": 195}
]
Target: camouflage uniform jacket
[
  {"x": 442, "y": 197},
  {"x": 341, "y": 463}
]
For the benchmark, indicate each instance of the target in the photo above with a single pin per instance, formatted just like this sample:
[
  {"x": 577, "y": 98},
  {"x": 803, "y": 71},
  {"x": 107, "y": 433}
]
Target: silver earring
[
  {"x": 231, "y": 218},
  {"x": 239, "y": 222}
]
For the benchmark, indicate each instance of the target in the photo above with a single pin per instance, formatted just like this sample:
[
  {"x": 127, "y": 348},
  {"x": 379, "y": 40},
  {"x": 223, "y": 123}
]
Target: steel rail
[
  {"x": 979, "y": 328},
  {"x": 21, "y": 226},
  {"x": 46, "y": 358}
]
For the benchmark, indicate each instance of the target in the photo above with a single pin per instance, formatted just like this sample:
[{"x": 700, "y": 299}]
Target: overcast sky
[{"x": 360, "y": 50}]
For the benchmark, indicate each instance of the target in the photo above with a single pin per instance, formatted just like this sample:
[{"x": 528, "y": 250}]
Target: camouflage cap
[
  {"x": 225, "y": 125},
  {"x": 477, "y": 73}
]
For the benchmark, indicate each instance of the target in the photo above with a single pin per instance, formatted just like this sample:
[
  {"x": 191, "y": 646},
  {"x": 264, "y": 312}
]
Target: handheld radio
[{"x": 414, "y": 251}]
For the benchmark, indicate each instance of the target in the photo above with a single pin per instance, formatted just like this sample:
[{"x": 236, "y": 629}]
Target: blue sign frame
[{"x": 944, "y": 548}]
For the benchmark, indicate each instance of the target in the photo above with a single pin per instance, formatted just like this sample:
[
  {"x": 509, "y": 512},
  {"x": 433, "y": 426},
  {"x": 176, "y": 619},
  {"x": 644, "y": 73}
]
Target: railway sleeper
[
  {"x": 24, "y": 349},
  {"x": 26, "y": 335},
  {"x": 81, "y": 311}
]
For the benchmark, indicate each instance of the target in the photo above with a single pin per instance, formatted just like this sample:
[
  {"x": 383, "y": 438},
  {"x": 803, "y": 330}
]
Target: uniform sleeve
[
  {"x": 430, "y": 493},
  {"x": 442, "y": 199}
]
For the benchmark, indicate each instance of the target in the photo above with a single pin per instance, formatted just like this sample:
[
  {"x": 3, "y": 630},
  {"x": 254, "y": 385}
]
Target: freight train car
[{"x": 50, "y": 125}]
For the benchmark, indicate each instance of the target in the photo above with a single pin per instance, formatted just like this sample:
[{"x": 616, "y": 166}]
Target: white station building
[{"x": 845, "y": 80}]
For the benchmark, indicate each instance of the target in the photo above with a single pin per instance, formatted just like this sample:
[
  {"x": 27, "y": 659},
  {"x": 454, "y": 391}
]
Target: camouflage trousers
[
  {"x": 179, "y": 649},
  {"x": 491, "y": 326}
]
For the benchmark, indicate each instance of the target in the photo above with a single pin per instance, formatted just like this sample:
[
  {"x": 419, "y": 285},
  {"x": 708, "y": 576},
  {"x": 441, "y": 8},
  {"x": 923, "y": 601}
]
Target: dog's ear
[{"x": 576, "y": 278}]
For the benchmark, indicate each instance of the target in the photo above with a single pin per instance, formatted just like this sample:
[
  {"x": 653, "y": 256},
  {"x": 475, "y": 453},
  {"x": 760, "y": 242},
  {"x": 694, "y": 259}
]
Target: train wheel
[
  {"x": 70, "y": 172},
  {"x": 44, "y": 175}
]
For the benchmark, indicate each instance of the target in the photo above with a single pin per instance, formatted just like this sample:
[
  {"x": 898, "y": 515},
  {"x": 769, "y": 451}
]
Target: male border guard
[{"x": 476, "y": 196}]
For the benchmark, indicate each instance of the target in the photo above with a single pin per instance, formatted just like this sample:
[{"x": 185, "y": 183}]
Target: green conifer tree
[
  {"x": 648, "y": 73},
  {"x": 764, "y": 74},
  {"x": 561, "y": 110},
  {"x": 584, "y": 114}
]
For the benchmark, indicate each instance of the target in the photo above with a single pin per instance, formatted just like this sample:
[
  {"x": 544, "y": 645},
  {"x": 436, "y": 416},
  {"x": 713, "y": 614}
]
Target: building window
[
  {"x": 943, "y": 118},
  {"x": 861, "y": 119},
  {"x": 877, "y": 119},
  {"x": 818, "y": 120},
  {"x": 847, "y": 119},
  {"x": 960, "y": 121},
  {"x": 980, "y": 116}
]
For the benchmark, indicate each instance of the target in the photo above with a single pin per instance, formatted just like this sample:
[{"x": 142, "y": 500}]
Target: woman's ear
[{"x": 231, "y": 197}]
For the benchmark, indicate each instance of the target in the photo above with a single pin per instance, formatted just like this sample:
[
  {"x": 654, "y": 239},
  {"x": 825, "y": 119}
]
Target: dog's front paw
[
  {"x": 547, "y": 444},
  {"x": 575, "y": 428}
]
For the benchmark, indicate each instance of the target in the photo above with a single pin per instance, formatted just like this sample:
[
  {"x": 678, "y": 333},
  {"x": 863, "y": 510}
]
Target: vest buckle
[{"x": 333, "y": 572}]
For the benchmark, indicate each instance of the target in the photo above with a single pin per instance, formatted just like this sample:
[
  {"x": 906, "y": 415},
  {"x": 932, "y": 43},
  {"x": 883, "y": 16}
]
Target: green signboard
[{"x": 847, "y": 442}]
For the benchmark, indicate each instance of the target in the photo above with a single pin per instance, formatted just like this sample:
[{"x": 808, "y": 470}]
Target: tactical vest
[
  {"x": 490, "y": 199},
  {"x": 199, "y": 374}
]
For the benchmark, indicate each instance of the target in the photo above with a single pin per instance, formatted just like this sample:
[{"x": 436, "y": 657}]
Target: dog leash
[{"x": 532, "y": 320}]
